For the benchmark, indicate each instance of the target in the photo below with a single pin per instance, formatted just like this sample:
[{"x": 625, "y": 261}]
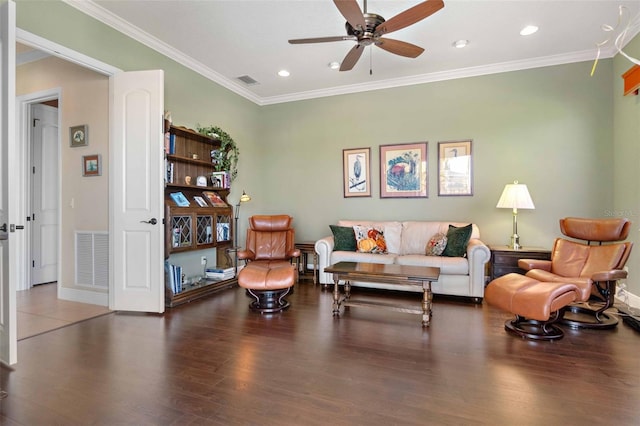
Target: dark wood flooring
[{"x": 214, "y": 362}]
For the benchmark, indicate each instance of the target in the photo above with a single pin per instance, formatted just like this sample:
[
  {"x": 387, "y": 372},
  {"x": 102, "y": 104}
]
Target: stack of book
[{"x": 220, "y": 273}]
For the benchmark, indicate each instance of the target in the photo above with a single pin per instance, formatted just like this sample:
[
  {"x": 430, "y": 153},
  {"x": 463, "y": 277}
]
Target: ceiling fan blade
[
  {"x": 351, "y": 12},
  {"x": 398, "y": 47},
  {"x": 409, "y": 16},
  {"x": 352, "y": 57},
  {"x": 322, "y": 39}
]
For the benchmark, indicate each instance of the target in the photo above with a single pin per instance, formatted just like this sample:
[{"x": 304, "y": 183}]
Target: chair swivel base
[
  {"x": 269, "y": 301},
  {"x": 577, "y": 316},
  {"x": 533, "y": 329}
]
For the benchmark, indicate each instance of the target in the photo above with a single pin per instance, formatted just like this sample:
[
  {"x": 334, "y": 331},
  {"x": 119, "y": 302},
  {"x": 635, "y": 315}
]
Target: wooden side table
[
  {"x": 505, "y": 260},
  {"x": 306, "y": 248}
]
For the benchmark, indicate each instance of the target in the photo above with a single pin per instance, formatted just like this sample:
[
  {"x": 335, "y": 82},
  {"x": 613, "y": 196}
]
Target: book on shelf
[
  {"x": 222, "y": 232},
  {"x": 220, "y": 273},
  {"x": 220, "y": 179},
  {"x": 173, "y": 277},
  {"x": 180, "y": 199},
  {"x": 169, "y": 171},
  {"x": 215, "y": 199}
]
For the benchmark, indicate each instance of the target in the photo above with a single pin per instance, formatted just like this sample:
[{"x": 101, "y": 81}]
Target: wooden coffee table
[{"x": 388, "y": 274}]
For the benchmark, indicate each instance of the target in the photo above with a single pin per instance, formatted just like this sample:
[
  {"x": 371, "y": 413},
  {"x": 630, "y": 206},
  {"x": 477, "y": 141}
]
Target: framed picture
[
  {"x": 356, "y": 166},
  {"x": 403, "y": 171},
  {"x": 455, "y": 175},
  {"x": 79, "y": 136},
  {"x": 91, "y": 165}
]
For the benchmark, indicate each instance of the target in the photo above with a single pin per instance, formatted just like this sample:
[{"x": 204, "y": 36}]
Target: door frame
[
  {"x": 23, "y": 136},
  {"x": 54, "y": 49}
]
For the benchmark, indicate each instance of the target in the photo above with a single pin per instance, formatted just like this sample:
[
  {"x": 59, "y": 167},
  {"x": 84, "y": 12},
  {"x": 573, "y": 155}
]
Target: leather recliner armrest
[
  {"x": 529, "y": 264},
  {"x": 614, "y": 274}
]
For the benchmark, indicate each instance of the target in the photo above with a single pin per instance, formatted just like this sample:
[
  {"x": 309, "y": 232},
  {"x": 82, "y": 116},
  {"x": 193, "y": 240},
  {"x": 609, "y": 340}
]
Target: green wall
[
  {"x": 551, "y": 128},
  {"x": 626, "y": 152}
]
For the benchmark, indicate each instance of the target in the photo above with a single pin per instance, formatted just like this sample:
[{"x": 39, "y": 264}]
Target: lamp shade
[
  {"x": 515, "y": 196},
  {"x": 244, "y": 197}
]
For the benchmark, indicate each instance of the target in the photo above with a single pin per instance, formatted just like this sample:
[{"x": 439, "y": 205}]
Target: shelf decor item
[
  {"x": 79, "y": 136},
  {"x": 403, "y": 171},
  {"x": 454, "y": 168},
  {"x": 356, "y": 166},
  {"x": 91, "y": 165},
  {"x": 226, "y": 158}
]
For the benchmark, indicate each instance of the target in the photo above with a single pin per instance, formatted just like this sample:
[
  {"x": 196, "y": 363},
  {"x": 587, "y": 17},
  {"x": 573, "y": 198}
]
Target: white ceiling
[{"x": 224, "y": 40}]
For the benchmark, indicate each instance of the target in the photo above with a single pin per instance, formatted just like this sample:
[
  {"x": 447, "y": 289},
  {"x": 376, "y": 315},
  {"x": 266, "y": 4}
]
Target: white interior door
[
  {"x": 136, "y": 191},
  {"x": 44, "y": 194},
  {"x": 8, "y": 332}
]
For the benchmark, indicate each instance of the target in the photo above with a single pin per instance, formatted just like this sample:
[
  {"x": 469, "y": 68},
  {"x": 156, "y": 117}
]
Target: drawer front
[
  {"x": 506, "y": 259},
  {"x": 500, "y": 270}
]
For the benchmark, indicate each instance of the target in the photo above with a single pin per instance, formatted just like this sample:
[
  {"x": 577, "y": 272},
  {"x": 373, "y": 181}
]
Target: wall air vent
[{"x": 247, "y": 80}]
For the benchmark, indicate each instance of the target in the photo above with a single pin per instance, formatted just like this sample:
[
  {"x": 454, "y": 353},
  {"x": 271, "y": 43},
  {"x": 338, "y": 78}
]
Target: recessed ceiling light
[
  {"x": 460, "y": 43},
  {"x": 284, "y": 73},
  {"x": 334, "y": 65},
  {"x": 528, "y": 30}
]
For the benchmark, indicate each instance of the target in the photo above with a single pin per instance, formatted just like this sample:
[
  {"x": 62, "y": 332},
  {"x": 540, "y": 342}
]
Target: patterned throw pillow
[
  {"x": 370, "y": 240},
  {"x": 344, "y": 238},
  {"x": 436, "y": 245},
  {"x": 457, "y": 240}
]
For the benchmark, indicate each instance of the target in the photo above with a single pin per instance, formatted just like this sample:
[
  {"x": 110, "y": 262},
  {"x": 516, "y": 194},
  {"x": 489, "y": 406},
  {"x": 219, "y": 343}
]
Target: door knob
[
  {"x": 151, "y": 221},
  {"x": 3, "y": 228}
]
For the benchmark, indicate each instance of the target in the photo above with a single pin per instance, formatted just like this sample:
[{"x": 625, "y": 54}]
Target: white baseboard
[
  {"x": 629, "y": 299},
  {"x": 84, "y": 296}
]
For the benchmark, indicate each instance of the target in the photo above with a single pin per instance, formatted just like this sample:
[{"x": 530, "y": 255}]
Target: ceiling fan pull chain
[{"x": 370, "y": 61}]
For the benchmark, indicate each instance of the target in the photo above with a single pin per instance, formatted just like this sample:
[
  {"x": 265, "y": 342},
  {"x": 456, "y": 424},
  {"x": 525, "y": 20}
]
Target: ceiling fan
[{"x": 368, "y": 28}]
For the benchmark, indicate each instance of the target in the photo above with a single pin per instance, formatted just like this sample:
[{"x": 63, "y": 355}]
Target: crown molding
[{"x": 97, "y": 12}]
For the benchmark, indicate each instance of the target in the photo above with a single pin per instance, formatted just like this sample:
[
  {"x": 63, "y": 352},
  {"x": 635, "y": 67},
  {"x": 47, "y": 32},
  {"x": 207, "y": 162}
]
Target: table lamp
[
  {"x": 515, "y": 196},
  {"x": 243, "y": 199}
]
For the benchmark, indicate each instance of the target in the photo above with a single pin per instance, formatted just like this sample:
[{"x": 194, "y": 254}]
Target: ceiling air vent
[{"x": 247, "y": 80}]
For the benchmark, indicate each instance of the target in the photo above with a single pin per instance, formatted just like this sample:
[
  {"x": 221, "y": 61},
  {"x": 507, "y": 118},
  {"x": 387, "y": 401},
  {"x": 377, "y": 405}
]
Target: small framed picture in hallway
[{"x": 91, "y": 165}]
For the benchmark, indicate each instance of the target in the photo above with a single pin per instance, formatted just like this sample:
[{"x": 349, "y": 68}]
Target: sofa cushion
[
  {"x": 447, "y": 265},
  {"x": 344, "y": 239},
  {"x": 436, "y": 244},
  {"x": 416, "y": 234},
  {"x": 354, "y": 256},
  {"x": 457, "y": 240},
  {"x": 392, "y": 231}
]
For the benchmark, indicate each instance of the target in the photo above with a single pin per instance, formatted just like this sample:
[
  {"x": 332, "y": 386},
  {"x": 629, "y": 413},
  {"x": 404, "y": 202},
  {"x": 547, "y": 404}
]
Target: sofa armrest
[
  {"x": 324, "y": 247},
  {"x": 478, "y": 254},
  {"x": 529, "y": 264}
]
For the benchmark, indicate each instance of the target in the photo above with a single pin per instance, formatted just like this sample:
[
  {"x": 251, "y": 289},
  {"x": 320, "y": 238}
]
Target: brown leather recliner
[
  {"x": 593, "y": 265},
  {"x": 269, "y": 272}
]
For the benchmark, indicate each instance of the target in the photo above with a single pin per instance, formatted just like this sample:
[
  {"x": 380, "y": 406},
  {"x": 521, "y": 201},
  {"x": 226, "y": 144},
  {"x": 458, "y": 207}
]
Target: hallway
[{"x": 39, "y": 310}]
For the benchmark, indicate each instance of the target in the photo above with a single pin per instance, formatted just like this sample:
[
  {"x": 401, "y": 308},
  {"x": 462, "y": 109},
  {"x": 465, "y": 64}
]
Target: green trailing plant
[{"x": 226, "y": 158}]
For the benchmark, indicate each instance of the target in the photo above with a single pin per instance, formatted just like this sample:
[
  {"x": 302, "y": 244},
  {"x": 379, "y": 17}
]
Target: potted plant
[{"x": 226, "y": 158}]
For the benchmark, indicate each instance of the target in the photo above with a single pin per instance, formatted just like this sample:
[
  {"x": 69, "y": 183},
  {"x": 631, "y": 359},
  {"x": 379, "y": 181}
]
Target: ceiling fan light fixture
[
  {"x": 528, "y": 30},
  {"x": 334, "y": 65},
  {"x": 284, "y": 73},
  {"x": 459, "y": 44}
]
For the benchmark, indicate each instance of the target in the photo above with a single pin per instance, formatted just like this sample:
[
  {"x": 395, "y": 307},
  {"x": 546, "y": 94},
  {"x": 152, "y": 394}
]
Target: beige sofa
[{"x": 406, "y": 243}]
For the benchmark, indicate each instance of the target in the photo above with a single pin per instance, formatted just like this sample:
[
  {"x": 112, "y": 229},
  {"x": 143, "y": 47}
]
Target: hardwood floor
[
  {"x": 214, "y": 362},
  {"x": 39, "y": 310}
]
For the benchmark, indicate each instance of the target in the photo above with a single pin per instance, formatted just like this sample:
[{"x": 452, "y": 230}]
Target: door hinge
[
  {"x": 33, "y": 263},
  {"x": 33, "y": 170}
]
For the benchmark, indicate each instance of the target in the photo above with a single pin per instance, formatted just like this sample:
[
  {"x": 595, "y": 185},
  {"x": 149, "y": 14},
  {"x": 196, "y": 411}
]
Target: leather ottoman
[{"x": 268, "y": 285}]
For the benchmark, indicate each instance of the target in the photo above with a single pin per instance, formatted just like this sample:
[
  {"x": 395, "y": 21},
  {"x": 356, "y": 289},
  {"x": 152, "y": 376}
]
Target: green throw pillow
[
  {"x": 457, "y": 240},
  {"x": 344, "y": 239}
]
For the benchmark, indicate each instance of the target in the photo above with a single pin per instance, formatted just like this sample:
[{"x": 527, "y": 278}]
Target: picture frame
[
  {"x": 455, "y": 168},
  {"x": 91, "y": 165},
  {"x": 356, "y": 172},
  {"x": 404, "y": 170},
  {"x": 79, "y": 136}
]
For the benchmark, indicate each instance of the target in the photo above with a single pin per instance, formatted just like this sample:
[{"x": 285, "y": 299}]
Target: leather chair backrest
[
  {"x": 271, "y": 237},
  {"x": 574, "y": 259}
]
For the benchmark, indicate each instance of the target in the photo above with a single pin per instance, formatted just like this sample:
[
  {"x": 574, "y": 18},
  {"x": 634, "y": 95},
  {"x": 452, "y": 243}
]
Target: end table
[
  {"x": 505, "y": 259},
  {"x": 306, "y": 248}
]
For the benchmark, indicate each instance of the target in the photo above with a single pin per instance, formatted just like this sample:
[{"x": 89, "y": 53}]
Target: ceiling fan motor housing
[{"x": 367, "y": 35}]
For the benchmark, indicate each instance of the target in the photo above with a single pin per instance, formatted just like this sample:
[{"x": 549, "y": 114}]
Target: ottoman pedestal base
[{"x": 268, "y": 285}]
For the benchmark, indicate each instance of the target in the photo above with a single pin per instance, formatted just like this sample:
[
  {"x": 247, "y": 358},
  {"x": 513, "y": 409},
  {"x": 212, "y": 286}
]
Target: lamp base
[{"x": 515, "y": 242}]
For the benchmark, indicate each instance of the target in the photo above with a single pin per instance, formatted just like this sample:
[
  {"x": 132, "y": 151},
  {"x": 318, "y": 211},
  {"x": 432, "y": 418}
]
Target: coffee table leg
[
  {"x": 426, "y": 303},
  {"x": 336, "y": 296}
]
